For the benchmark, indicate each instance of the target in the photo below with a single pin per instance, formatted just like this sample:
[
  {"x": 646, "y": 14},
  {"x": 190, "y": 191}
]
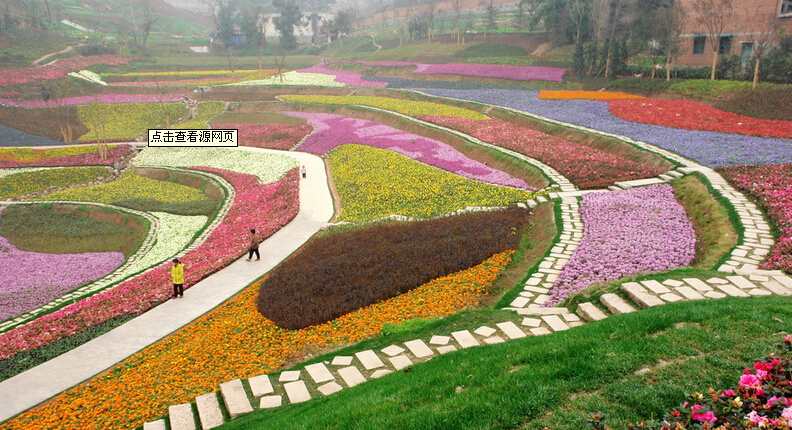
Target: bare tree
[
  {"x": 430, "y": 13},
  {"x": 147, "y": 19},
  {"x": 714, "y": 16},
  {"x": 765, "y": 30},
  {"x": 623, "y": 15},
  {"x": 456, "y": 8},
  {"x": 383, "y": 6},
  {"x": 673, "y": 21},
  {"x": 578, "y": 11}
]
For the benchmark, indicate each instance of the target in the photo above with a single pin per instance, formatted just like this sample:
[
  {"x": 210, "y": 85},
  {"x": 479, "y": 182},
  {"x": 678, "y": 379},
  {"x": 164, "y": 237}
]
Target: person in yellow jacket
[{"x": 177, "y": 272}]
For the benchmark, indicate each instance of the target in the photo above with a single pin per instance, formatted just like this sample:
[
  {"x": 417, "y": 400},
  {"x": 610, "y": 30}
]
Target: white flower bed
[
  {"x": 294, "y": 78},
  {"x": 175, "y": 233},
  {"x": 268, "y": 168},
  {"x": 14, "y": 170},
  {"x": 88, "y": 76}
]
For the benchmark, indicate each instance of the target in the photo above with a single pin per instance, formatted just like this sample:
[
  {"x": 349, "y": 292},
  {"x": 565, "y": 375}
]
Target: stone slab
[
  {"x": 689, "y": 293},
  {"x": 260, "y": 385},
  {"x": 446, "y": 349},
  {"x": 181, "y": 417},
  {"x": 777, "y": 288},
  {"x": 235, "y": 398},
  {"x": 155, "y": 425},
  {"x": 319, "y": 372},
  {"x": 289, "y": 376},
  {"x": 297, "y": 392},
  {"x": 380, "y": 373},
  {"x": 493, "y": 340},
  {"x": 418, "y": 348},
  {"x": 571, "y": 317},
  {"x": 759, "y": 292},
  {"x": 330, "y": 388},
  {"x": 731, "y": 290},
  {"x": 741, "y": 282},
  {"x": 655, "y": 287},
  {"x": 465, "y": 339},
  {"x": 591, "y": 312},
  {"x": 342, "y": 360},
  {"x": 399, "y": 362},
  {"x": 671, "y": 297},
  {"x": 484, "y": 331},
  {"x": 369, "y": 359},
  {"x": 673, "y": 283},
  {"x": 539, "y": 331},
  {"x": 531, "y": 322},
  {"x": 698, "y": 284},
  {"x": 539, "y": 290},
  {"x": 717, "y": 281},
  {"x": 616, "y": 304},
  {"x": 209, "y": 411},
  {"x": 555, "y": 323},
  {"x": 269, "y": 402},
  {"x": 538, "y": 310},
  {"x": 520, "y": 302},
  {"x": 784, "y": 280},
  {"x": 440, "y": 340},
  {"x": 511, "y": 330},
  {"x": 714, "y": 295},
  {"x": 351, "y": 376},
  {"x": 639, "y": 295},
  {"x": 392, "y": 350}
]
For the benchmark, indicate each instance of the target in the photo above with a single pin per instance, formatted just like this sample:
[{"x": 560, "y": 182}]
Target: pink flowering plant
[
  {"x": 270, "y": 136},
  {"x": 268, "y": 207},
  {"x": 101, "y": 98},
  {"x": 332, "y": 130},
  {"x": 762, "y": 399}
]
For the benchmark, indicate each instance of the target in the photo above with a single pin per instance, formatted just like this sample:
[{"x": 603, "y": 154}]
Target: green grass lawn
[{"x": 555, "y": 380}]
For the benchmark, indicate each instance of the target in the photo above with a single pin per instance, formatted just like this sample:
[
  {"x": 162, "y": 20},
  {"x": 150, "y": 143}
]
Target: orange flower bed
[
  {"x": 584, "y": 95},
  {"x": 235, "y": 341}
]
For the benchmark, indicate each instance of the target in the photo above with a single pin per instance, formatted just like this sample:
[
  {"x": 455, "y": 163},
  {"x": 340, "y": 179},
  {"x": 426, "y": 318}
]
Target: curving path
[{"x": 35, "y": 386}]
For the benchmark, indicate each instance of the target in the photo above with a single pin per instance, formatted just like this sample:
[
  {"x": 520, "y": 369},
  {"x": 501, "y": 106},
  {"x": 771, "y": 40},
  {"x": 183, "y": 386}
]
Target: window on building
[
  {"x": 786, "y": 7},
  {"x": 724, "y": 47},
  {"x": 746, "y": 53},
  {"x": 698, "y": 44}
]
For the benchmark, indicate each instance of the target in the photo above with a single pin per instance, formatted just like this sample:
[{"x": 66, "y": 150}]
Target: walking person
[
  {"x": 253, "y": 245},
  {"x": 177, "y": 273},
  {"x": 303, "y": 171}
]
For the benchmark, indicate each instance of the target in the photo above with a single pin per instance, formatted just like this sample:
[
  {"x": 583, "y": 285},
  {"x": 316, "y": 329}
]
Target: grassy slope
[{"x": 554, "y": 380}]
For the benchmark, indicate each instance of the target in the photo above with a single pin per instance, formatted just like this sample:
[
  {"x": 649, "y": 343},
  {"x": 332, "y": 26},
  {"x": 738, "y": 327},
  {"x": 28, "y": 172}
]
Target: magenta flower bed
[
  {"x": 270, "y": 136},
  {"x": 59, "y": 70},
  {"x": 267, "y": 207},
  {"x": 114, "y": 155},
  {"x": 626, "y": 232},
  {"x": 771, "y": 186},
  {"x": 102, "y": 98},
  {"x": 31, "y": 279},
  {"x": 331, "y": 131},
  {"x": 585, "y": 166}
]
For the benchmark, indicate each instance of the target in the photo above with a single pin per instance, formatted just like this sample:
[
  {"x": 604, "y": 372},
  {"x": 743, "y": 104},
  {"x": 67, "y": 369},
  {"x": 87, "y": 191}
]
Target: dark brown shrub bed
[{"x": 340, "y": 273}]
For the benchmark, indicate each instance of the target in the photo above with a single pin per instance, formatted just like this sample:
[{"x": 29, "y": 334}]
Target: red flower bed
[
  {"x": 585, "y": 166},
  {"x": 696, "y": 116},
  {"x": 266, "y": 206},
  {"x": 270, "y": 136},
  {"x": 771, "y": 186}
]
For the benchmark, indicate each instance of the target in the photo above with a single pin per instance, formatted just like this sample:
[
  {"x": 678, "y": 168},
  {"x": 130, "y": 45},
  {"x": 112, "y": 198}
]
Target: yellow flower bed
[
  {"x": 29, "y": 182},
  {"x": 127, "y": 120},
  {"x": 235, "y": 341},
  {"x": 129, "y": 186},
  {"x": 583, "y": 95},
  {"x": 373, "y": 183},
  {"x": 26, "y": 155},
  {"x": 406, "y": 107},
  {"x": 206, "y": 111}
]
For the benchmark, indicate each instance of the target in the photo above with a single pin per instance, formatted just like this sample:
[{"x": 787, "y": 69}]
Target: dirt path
[{"x": 62, "y": 51}]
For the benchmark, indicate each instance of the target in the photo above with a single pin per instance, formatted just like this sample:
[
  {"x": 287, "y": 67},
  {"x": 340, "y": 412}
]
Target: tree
[
  {"x": 339, "y": 27},
  {"x": 147, "y": 19},
  {"x": 225, "y": 21},
  {"x": 492, "y": 14},
  {"x": 289, "y": 17},
  {"x": 713, "y": 15},
  {"x": 766, "y": 31},
  {"x": 671, "y": 20},
  {"x": 529, "y": 8}
]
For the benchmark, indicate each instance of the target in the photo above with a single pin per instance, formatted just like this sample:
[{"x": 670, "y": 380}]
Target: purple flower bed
[
  {"x": 102, "y": 98},
  {"x": 626, "y": 232},
  {"x": 517, "y": 73},
  {"x": 450, "y": 85},
  {"x": 14, "y": 137},
  {"x": 331, "y": 131},
  {"x": 31, "y": 279},
  {"x": 710, "y": 148}
]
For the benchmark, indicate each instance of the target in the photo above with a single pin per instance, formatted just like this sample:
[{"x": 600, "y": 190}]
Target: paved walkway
[{"x": 30, "y": 388}]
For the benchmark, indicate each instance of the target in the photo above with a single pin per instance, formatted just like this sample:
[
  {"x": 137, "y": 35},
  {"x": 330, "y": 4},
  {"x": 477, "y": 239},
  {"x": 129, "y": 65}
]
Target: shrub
[{"x": 339, "y": 273}]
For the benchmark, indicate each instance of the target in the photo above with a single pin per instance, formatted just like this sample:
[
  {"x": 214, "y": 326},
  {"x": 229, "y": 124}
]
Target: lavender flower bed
[
  {"x": 13, "y": 137},
  {"x": 450, "y": 85},
  {"x": 31, "y": 279},
  {"x": 331, "y": 131},
  {"x": 517, "y": 73},
  {"x": 102, "y": 98},
  {"x": 713, "y": 149},
  {"x": 626, "y": 232}
]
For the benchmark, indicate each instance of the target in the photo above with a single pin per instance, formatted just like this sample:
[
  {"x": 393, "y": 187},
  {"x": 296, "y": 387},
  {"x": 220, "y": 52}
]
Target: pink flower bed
[
  {"x": 31, "y": 279},
  {"x": 270, "y": 136},
  {"x": 348, "y": 78},
  {"x": 771, "y": 186},
  {"x": 114, "y": 155},
  {"x": 677, "y": 113},
  {"x": 331, "y": 131},
  {"x": 59, "y": 70},
  {"x": 626, "y": 232},
  {"x": 102, "y": 98},
  {"x": 267, "y": 207},
  {"x": 585, "y": 166}
]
